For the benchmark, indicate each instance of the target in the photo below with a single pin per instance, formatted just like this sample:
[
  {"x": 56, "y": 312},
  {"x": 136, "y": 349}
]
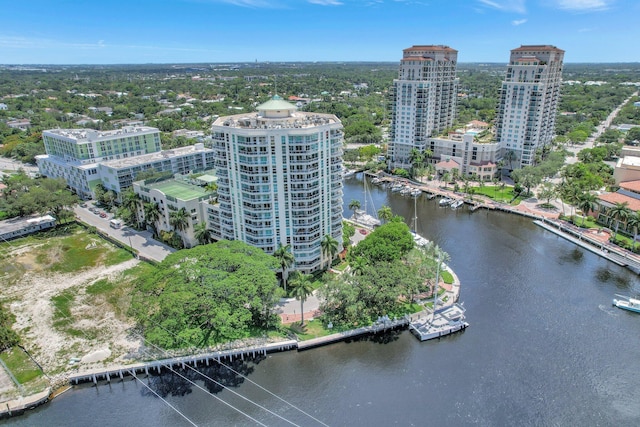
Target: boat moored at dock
[
  {"x": 445, "y": 201},
  {"x": 457, "y": 203}
]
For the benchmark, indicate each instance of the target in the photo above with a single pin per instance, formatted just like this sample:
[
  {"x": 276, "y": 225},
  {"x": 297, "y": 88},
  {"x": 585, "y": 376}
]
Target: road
[
  {"x": 141, "y": 241},
  {"x": 604, "y": 125},
  {"x": 11, "y": 165}
]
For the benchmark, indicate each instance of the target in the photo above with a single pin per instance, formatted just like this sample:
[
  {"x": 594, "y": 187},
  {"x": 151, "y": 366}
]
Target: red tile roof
[
  {"x": 524, "y": 48},
  {"x": 613, "y": 198},
  {"x": 436, "y": 48},
  {"x": 631, "y": 186}
]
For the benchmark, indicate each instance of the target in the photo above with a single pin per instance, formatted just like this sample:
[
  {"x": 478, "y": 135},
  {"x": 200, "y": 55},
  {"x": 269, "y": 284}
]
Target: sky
[{"x": 222, "y": 31}]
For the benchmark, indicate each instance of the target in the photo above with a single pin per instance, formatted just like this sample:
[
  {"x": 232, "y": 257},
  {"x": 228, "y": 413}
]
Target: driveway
[{"x": 141, "y": 241}]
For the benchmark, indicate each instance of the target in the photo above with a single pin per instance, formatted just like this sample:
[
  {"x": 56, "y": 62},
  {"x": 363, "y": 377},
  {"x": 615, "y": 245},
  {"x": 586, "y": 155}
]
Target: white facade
[
  {"x": 279, "y": 180},
  {"x": 170, "y": 196},
  {"x": 528, "y": 102},
  {"x": 474, "y": 158},
  {"x": 424, "y": 100}
]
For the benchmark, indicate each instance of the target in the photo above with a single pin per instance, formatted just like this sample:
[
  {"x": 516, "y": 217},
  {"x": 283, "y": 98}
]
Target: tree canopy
[
  {"x": 206, "y": 295},
  {"x": 387, "y": 243}
]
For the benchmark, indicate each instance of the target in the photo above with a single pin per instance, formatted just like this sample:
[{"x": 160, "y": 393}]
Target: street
[{"x": 141, "y": 241}]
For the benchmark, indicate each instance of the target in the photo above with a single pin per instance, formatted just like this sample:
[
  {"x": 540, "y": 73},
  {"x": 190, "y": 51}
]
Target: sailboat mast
[{"x": 435, "y": 289}]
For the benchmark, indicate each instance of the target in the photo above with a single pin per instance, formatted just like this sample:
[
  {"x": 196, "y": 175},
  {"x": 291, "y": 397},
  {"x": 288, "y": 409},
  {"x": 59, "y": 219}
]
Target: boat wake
[{"x": 609, "y": 310}]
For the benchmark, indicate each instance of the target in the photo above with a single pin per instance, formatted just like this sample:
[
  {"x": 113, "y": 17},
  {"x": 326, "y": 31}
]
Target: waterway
[{"x": 545, "y": 348}]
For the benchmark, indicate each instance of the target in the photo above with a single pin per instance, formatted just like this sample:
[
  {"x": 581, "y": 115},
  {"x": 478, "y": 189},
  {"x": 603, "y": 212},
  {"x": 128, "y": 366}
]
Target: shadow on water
[
  {"x": 606, "y": 275},
  {"x": 385, "y": 337},
  {"x": 180, "y": 381},
  {"x": 574, "y": 256}
]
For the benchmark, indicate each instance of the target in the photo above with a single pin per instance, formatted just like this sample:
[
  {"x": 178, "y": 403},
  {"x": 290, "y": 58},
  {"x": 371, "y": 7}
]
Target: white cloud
[
  {"x": 326, "y": 2},
  {"x": 517, "y": 6},
  {"x": 584, "y": 5},
  {"x": 518, "y": 22}
]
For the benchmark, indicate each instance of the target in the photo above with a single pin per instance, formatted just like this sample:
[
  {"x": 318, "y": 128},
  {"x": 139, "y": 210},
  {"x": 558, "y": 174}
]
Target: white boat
[
  {"x": 416, "y": 192},
  {"x": 376, "y": 181},
  {"x": 347, "y": 173},
  {"x": 627, "y": 303},
  {"x": 445, "y": 201},
  {"x": 396, "y": 187},
  {"x": 457, "y": 203},
  {"x": 443, "y": 321},
  {"x": 406, "y": 191}
]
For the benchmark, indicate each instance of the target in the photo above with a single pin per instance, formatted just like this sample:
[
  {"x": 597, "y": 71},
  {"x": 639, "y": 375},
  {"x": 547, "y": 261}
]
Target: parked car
[{"x": 103, "y": 215}]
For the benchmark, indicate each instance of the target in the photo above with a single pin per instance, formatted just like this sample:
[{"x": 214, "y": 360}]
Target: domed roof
[{"x": 276, "y": 103}]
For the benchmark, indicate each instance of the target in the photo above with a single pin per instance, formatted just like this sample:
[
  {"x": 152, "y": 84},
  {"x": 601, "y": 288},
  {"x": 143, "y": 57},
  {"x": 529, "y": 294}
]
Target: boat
[
  {"x": 444, "y": 321},
  {"x": 627, "y": 303},
  {"x": 445, "y": 201},
  {"x": 396, "y": 188},
  {"x": 416, "y": 192},
  {"x": 348, "y": 173},
  {"x": 406, "y": 191},
  {"x": 457, "y": 203},
  {"x": 376, "y": 181}
]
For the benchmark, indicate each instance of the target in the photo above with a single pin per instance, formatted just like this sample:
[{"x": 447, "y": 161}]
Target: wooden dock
[
  {"x": 378, "y": 327},
  {"x": 193, "y": 360}
]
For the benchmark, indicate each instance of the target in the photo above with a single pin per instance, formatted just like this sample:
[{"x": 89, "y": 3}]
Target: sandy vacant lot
[{"x": 92, "y": 336}]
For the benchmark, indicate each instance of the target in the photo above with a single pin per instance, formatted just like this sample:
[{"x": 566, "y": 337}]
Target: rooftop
[
  {"x": 296, "y": 119},
  {"x": 84, "y": 135},
  {"x": 15, "y": 224},
  {"x": 631, "y": 186},
  {"x": 613, "y": 198},
  {"x": 157, "y": 156},
  {"x": 178, "y": 189},
  {"x": 433, "y": 48},
  {"x": 537, "y": 47}
]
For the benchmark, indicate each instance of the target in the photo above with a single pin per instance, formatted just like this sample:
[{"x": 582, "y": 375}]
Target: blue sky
[{"x": 178, "y": 31}]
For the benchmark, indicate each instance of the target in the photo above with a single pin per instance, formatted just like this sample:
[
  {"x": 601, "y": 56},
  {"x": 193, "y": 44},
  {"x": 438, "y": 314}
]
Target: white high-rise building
[
  {"x": 279, "y": 180},
  {"x": 528, "y": 102},
  {"x": 424, "y": 100}
]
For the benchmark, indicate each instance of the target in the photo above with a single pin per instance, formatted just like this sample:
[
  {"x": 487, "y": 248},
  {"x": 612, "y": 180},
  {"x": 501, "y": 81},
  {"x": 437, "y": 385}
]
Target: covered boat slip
[{"x": 444, "y": 321}]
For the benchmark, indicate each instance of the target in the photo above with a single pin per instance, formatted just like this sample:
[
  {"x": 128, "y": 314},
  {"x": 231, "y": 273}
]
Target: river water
[{"x": 544, "y": 347}]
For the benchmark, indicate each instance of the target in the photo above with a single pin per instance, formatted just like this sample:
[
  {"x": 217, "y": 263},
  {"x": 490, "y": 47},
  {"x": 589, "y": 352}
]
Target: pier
[{"x": 120, "y": 372}]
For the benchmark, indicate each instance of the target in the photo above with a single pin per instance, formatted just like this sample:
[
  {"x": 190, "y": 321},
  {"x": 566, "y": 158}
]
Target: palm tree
[
  {"x": 587, "y": 203},
  {"x": 151, "y": 215},
  {"x": 358, "y": 266},
  {"x": 212, "y": 187},
  {"x": 130, "y": 201},
  {"x": 179, "y": 220},
  {"x": 301, "y": 289},
  {"x": 202, "y": 233},
  {"x": 354, "y": 205},
  {"x": 329, "y": 247},
  {"x": 385, "y": 213},
  {"x": 634, "y": 222},
  {"x": 620, "y": 212},
  {"x": 510, "y": 156},
  {"x": 415, "y": 158},
  {"x": 285, "y": 260}
]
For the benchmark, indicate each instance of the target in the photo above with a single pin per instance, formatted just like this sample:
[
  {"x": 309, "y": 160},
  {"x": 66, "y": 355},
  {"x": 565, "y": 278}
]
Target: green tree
[
  {"x": 354, "y": 205},
  {"x": 206, "y": 295},
  {"x": 329, "y": 247},
  {"x": 387, "y": 243},
  {"x": 202, "y": 233},
  {"x": 151, "y": 215},
  {"x": 633, "y": 222},
  {"x": 358, "y": 265},
  {"x": 587, "y": 202},
  {"x": 285, "y": 260},
  {"x": 547, "y": 192},
  {"x": 180, "y": 221},
  {"x": 619, "y": 213},
  {"x": 302, "y": 287},
  {"x": 385, "y": 213}
]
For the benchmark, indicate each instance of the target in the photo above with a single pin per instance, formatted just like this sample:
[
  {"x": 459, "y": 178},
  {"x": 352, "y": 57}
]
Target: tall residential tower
[
  {"x": 528, "y": 102},
  {"x": 279, "y": 180},
  {"x": 424, "y": 99}
]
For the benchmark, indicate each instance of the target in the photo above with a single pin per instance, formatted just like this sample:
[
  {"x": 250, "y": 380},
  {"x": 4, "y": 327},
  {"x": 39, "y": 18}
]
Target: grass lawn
[
  {"x": 312, "y": 329},
  {"x": 504, "y": 195},
  {"x": 24, "y": 369},
  {"x": 65, "y": 249},
  {"x": 447, "y": 277}
]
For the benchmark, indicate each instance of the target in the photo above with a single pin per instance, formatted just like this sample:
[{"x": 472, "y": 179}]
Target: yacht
[
  {"x": 627, "y": 303},
  {"x": 445, "y": 201},
  {"x": 457, "y": 203}
]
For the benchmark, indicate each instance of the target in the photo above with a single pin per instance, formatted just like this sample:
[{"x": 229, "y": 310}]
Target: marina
[{"x": 444, "y": 321}]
